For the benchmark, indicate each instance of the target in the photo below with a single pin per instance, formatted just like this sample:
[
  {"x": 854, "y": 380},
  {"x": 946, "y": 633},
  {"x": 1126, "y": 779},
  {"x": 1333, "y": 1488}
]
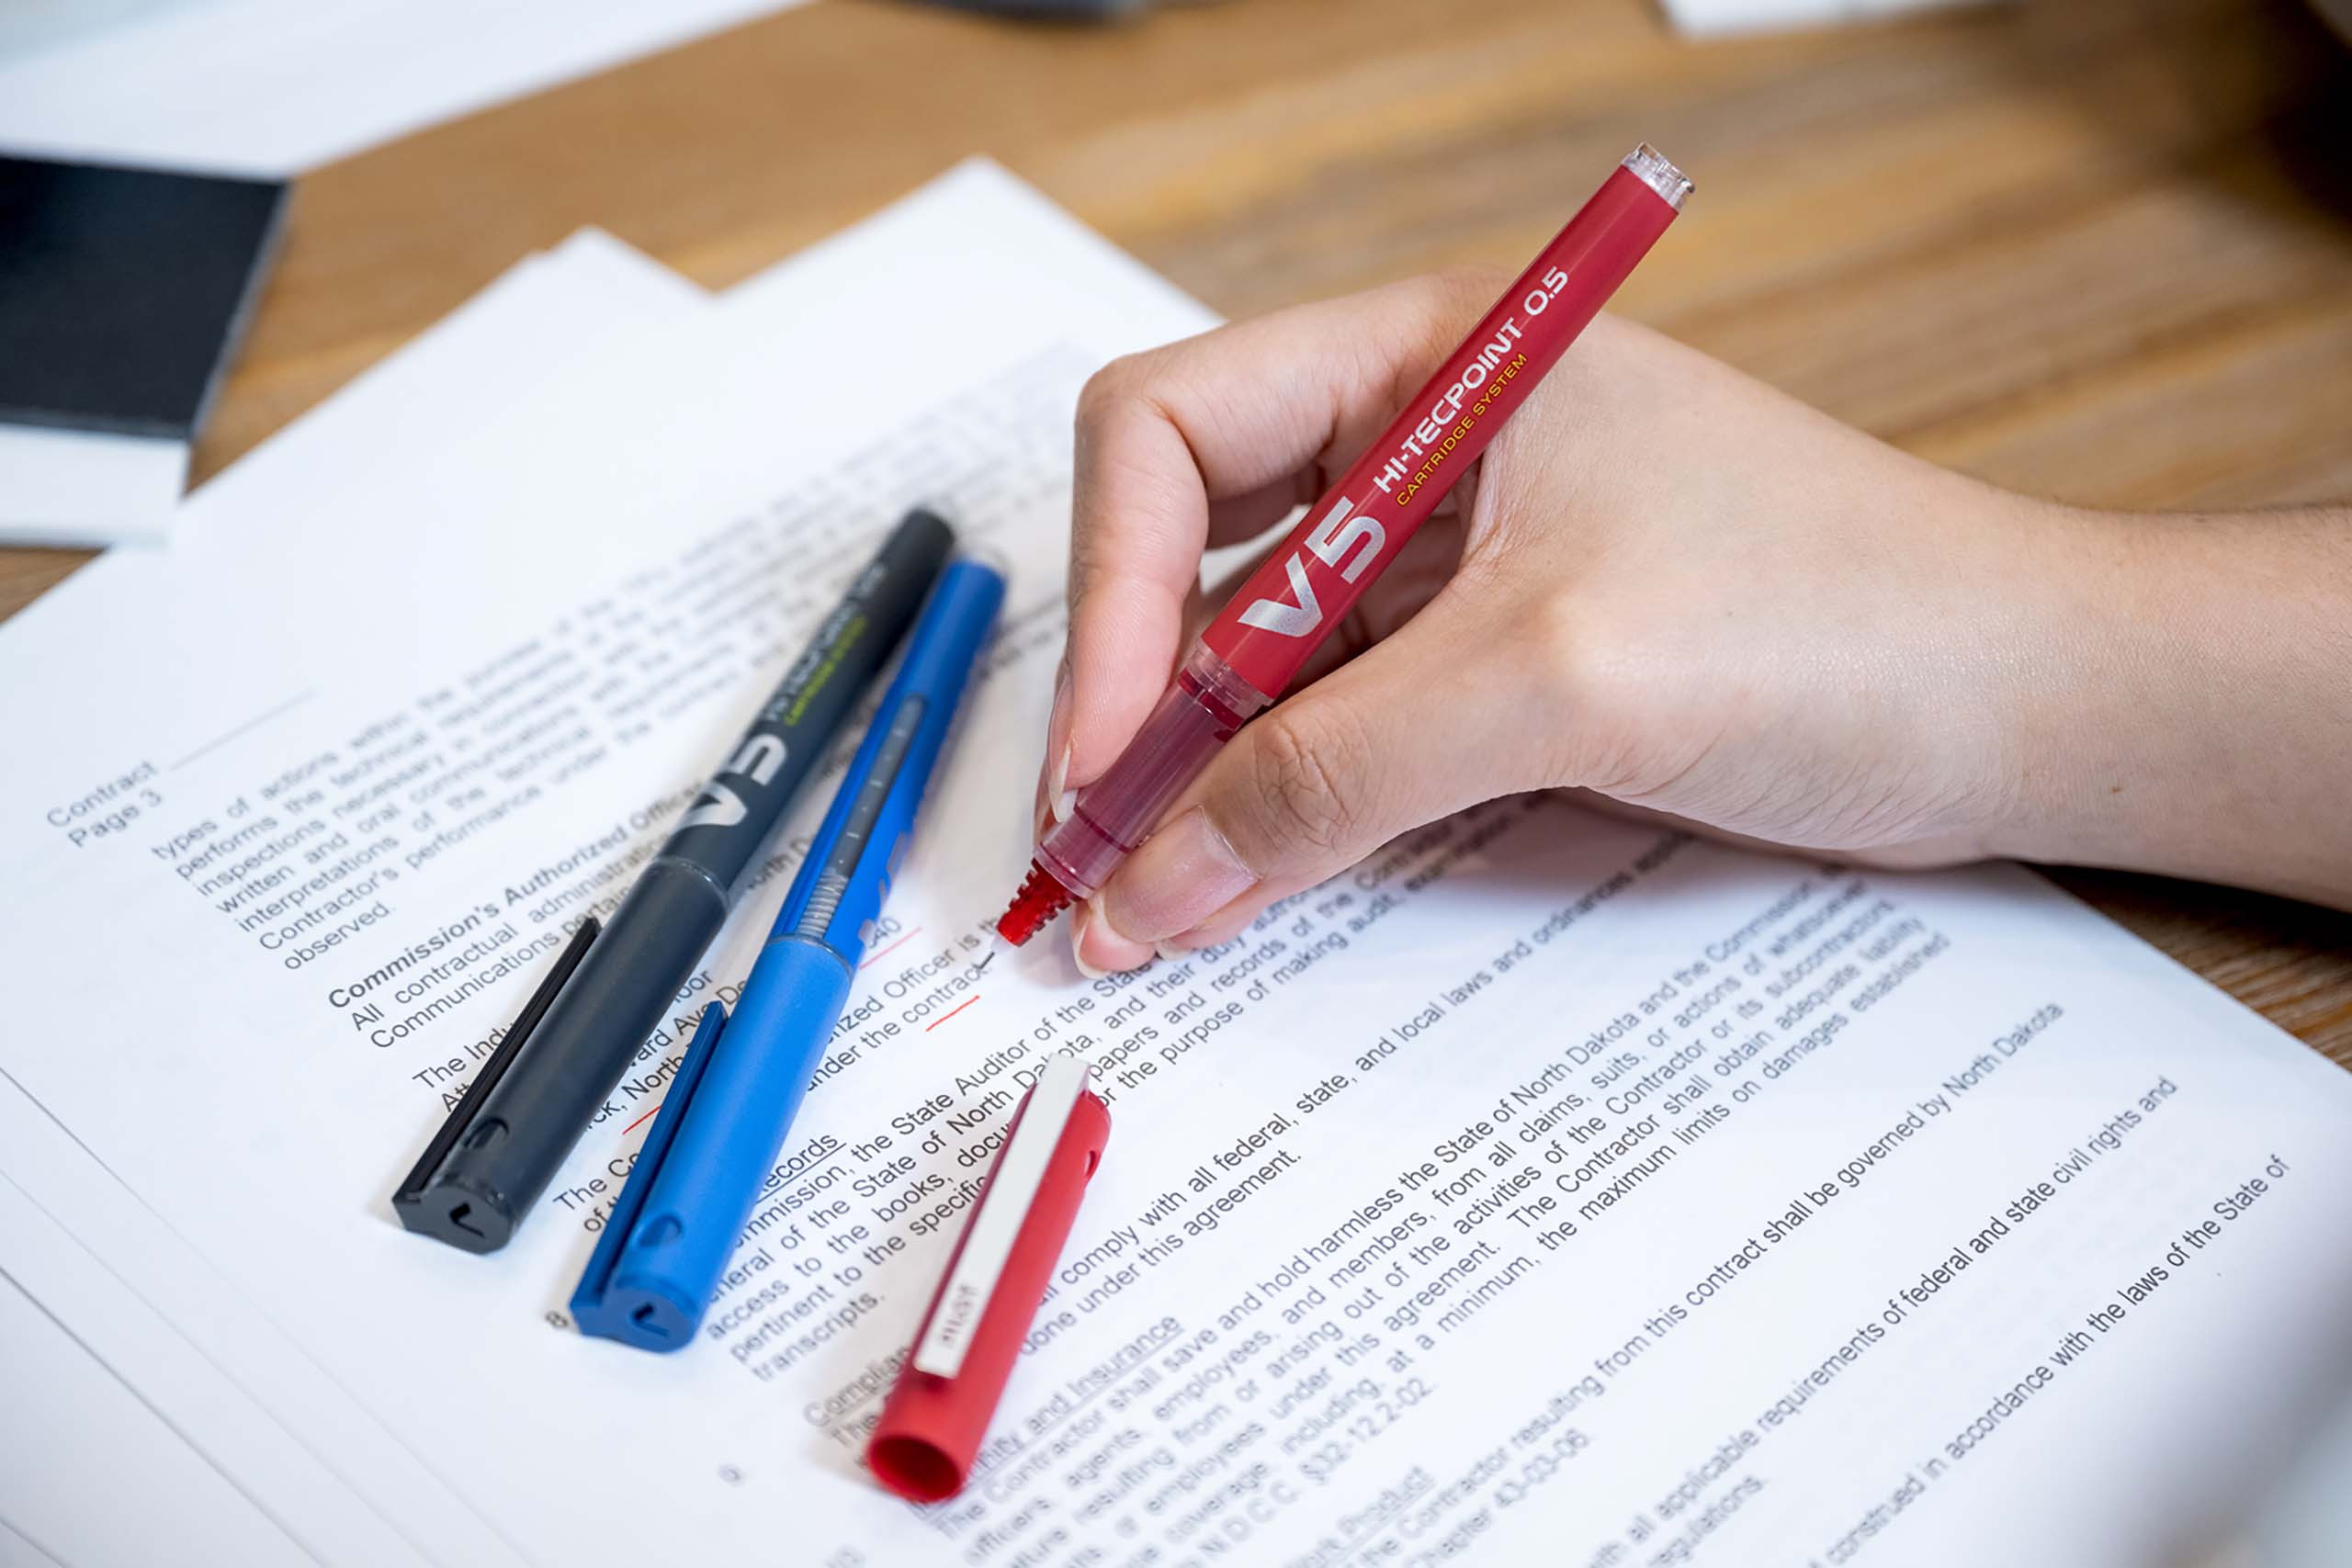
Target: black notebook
[{"x": 123, "y": 293}]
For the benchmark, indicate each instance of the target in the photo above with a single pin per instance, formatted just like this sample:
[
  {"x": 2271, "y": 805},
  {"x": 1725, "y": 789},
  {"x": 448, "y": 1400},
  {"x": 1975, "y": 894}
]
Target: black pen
[{"x": 577, "y": 1035}]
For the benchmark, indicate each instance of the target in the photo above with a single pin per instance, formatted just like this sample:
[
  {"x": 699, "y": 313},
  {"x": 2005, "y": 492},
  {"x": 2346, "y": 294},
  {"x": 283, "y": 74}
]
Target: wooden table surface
[{"x": 2096, "y": 249}]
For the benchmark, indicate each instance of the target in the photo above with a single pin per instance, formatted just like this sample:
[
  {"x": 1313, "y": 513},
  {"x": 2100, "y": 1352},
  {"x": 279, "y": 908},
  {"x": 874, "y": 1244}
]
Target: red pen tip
[{"x": 1040, "y": 899}]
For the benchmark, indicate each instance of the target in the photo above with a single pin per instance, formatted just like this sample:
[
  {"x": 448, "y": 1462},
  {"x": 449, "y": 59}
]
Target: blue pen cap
[{"x": 741, "y": 1101}]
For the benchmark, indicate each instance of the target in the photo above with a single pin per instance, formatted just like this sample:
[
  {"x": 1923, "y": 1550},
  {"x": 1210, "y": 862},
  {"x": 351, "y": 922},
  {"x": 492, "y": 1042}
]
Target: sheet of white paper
[
  {"x": 278, "y": 87},
  {"x": 26, "y": 25},
  {"x": 1547, "y": 1189},
  {"x": 525, "y": 329},
  {"x": 71, "y": 487},
  {"x": 162, "y": 1321},
  {"x": 531, "y": 325},
  {"x": 75, "y": 1433},
  {"x": 169, "y": 1392}
]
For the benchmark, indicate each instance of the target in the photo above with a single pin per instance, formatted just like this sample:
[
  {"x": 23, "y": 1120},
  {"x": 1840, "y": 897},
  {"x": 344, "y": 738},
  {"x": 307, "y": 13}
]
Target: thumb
[{"x": 1413, "y": 729}]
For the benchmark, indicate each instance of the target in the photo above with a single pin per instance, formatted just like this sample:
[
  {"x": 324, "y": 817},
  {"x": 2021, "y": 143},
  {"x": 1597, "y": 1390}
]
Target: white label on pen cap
[{"x": 1004, "y": 1208}]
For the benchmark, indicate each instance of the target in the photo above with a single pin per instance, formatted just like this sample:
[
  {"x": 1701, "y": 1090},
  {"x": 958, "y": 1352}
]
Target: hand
[{"x": 1665, "y": 584}]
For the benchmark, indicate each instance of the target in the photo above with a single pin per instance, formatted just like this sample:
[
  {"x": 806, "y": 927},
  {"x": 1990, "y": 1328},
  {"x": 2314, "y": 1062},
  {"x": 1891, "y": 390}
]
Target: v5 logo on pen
[
  {"x": 1331, "y": 542},
  {"x": 718, "y": 807}
]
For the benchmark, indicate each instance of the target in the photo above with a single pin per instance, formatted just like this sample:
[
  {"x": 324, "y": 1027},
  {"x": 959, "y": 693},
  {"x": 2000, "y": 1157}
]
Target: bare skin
[{"x": 1671, "y": 587}]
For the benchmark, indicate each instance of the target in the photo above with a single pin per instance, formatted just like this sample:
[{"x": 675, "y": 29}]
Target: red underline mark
[
  {"x": 951, "y": 1013},
  {"x": 891, "y": 949},
  {"x": 644, "y": 1118}
]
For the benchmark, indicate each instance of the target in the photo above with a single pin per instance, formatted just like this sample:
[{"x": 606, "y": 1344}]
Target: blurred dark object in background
[
  {"x": 123, "y": 295},
  {"x": 1051, "y": 10}
]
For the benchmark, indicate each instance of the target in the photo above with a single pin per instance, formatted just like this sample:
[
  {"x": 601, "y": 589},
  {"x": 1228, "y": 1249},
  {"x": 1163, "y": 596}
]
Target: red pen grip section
[
  {"x": 931, "y": 1426},
  {"x": 1307, "y": 587}
]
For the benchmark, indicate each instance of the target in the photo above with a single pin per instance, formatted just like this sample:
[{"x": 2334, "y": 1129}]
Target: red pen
[
  {"x": 1255, "y": 647},
  {"x": 939, "y": 1409}
]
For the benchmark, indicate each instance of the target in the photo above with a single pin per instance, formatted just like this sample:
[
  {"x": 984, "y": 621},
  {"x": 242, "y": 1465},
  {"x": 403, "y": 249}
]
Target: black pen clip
[{"x": 407, "y": 1201}]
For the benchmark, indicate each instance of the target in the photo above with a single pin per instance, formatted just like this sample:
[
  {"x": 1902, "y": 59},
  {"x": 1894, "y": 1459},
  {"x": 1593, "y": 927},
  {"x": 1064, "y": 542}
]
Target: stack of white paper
[
  {"x": 1549, "y": 1190},
  {"x": 278, "y": 87},
  {"x": 122, "y": 1387}
]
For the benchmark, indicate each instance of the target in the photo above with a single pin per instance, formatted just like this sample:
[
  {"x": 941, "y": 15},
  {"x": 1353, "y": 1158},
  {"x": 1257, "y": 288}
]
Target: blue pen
[{"x": 742, "y": 1080}]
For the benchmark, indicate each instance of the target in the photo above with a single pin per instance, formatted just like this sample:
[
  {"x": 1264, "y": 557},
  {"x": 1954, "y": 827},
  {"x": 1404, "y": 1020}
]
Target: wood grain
[{"x": 2093, "y": 249}]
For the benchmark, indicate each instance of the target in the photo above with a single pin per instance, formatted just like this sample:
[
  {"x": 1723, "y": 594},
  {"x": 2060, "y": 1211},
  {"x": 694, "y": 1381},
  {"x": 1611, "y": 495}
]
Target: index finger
[{"x": 1208, "y": 442}]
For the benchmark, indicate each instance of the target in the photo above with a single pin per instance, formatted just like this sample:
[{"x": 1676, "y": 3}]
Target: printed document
[
  {"x": 1546, "y": 1190},
  {"x": 116, "y": 1374}
]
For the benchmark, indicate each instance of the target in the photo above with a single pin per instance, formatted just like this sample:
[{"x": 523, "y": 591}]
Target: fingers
[
  {"x": 1210, "y": 441},
  {"x": 1407, "y": 733}
]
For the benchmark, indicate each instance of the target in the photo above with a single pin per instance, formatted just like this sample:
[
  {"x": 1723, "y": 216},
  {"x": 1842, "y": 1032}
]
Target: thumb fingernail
[{"x": 1181, "y": 876}]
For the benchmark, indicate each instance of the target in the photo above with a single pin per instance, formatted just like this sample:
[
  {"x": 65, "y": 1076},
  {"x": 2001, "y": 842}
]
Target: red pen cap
[{"x": 947, "y": 1391}]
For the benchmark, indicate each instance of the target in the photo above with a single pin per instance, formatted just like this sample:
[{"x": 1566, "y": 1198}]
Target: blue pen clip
[{"x": 716, "y": 1139}]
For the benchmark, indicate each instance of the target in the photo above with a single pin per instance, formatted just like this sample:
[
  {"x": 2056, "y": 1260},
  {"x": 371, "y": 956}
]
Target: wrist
[
  {"x": 2175, "y": 711},
  {"x": 2078, "y": 698}
]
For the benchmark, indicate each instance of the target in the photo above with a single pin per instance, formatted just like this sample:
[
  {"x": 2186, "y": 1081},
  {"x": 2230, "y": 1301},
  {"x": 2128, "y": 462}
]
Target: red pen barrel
[
  {"x": 1363, "y": 523},
  {"x": 931, "y": 1426},
  {"x": 1196, "y": 715},
  {"x": 1254, "y": 648}
]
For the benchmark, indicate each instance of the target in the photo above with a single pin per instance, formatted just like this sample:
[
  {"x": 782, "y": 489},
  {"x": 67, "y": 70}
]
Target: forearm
[{"x": 2189, "y": 709}]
